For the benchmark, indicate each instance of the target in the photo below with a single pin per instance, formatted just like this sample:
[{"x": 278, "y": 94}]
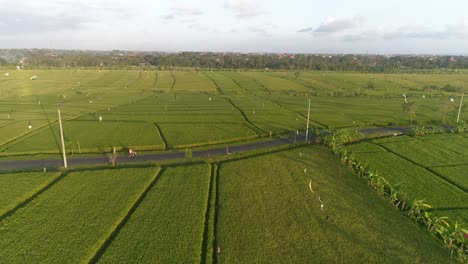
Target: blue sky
[{"x": 358, "y": 26}]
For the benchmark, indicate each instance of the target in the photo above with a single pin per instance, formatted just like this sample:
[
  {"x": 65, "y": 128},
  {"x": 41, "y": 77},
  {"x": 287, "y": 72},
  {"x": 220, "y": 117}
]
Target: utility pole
[
  {"x": 308, "y": 121},
  {"x": 459, "y": 109},
  {"x": 61, "y": 138}
]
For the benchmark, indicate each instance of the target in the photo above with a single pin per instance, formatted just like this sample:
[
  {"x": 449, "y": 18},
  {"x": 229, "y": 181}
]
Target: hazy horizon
[{"x": 247, "y": 26}]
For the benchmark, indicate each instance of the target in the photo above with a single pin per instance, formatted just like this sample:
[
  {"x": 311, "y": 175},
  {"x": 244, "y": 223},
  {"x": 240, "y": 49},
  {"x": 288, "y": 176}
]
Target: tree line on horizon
[{"x": 42, "y": 58}]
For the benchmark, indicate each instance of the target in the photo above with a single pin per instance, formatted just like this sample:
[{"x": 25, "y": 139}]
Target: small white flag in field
[
  {"x": 305, "y": 170},
  {"x": 451, "y": 100}
]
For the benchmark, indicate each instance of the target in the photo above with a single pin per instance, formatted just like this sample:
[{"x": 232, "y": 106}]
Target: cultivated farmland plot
[
  {"x": 16, "y": 188},
  {"x": 294, "y": 206},
  {"x": 431, "y": 167},
  {"x": 196, "y": 108},
  {"x": 257, "y": 209},
  {"x": 69, "y": 221},
  {"x": 279, "y": 220},
  {"x": 168, "y": 224}
]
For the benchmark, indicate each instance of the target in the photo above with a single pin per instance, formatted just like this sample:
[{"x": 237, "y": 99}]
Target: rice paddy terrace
[{"x": 283, "y": 205}]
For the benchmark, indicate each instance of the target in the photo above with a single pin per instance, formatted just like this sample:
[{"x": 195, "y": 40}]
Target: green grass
[
  {"x": 431, "y": 167},
  {"x": 365, "y": 147},
  {"x": 18, "y": 187},
  {"x": 164, "y": 81},
  {"x": 179, "y": 100},
  {"x": 423, "y": 153},
  {"x": 457, "y": 174},
  {"x": 192, "y": 81},
  {"x": 92, "y": 136},
  {"x": 454, "y": 142},
  {"x": 69, "y": 221},
  {"x": 168, "y": 225},
  {"x": 415, "y": 181},
  {"x": 266, "y": 213}
]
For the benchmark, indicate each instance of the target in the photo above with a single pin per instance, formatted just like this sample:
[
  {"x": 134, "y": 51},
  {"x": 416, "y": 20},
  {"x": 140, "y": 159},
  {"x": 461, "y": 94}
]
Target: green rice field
[
  {"x": 180, "y": 109},
  {"x": 255, "y": 209},
  {"x": 293, "y": 203}
]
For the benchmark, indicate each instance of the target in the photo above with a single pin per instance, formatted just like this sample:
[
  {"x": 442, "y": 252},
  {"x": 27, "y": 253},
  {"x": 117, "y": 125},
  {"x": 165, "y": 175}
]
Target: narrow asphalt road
[{"x": 57, "y": 163}]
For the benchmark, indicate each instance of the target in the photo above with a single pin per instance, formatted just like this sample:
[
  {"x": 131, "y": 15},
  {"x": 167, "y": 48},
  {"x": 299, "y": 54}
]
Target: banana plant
[{"x": 418, "y": 207}]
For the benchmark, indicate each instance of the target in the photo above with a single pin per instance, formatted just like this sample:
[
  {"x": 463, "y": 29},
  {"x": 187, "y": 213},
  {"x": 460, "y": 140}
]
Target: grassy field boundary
[
  {"x": 307, "y": 83},
  {"x": 207, "y": 241},
  {"x": 425, "y": 168},
  {"x": 217, "y": 142},
  {"x": 246, "y": 119},
  {"x": 24, "y": 136},
  {"x": 214, "y": 244},
  {"x": 25, "y": 202},
  {"x": 297, "y": 113},
  {"x": 105, "y": 243},
  {"x": 435, "y": 145},
  {"x": 9, "y": 123},
  {"x": 173, "y": 81},
  {"x": 237, "y": 83},
  {"x": 155, "y": 79},
  {"x": 215, "y": 83},
  {"x": 261, "y": 85},
  {"x": 161, "y": 135}
]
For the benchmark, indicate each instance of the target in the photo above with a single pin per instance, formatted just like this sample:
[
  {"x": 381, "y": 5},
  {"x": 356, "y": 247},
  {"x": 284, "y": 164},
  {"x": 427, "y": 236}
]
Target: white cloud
[
  {"x": 335, "y": 25},
  {"x": 243, "y": 8},
  {"x": 410, "y": 32},
  {"x": 182, "y": 12}
]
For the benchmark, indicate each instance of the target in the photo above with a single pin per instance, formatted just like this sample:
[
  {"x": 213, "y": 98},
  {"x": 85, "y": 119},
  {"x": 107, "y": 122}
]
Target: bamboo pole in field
[
  {"x": 61, "y": 138},
  {"x": 308, "y": 121},
  {"x": 459, "y": 108}
]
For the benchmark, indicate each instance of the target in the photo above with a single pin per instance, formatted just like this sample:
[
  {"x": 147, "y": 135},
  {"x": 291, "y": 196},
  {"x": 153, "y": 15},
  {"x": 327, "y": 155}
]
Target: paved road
[{"x": 57, "y": 163}]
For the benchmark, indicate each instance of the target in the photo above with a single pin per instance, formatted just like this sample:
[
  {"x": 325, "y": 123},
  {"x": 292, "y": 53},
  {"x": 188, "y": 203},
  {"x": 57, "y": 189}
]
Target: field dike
[
  {"x": 41, "y": 190},
  {"x": 104, "y": 243},
  {"x": 238, "y": 84},
  {"x": 425, "y": 168},
  {"x": 161, "y": 135},
  {"x": 208, "y": 242},
  {"x": 174, "y": 80},
  {"x": 216, "y": 84},
  {"x": 298, "y": 80},
  {"x": 24, "y": 136},
  {"x": 155, "y": 79},
  {"x": 246, "y": 119},
  {"x": 263, "y": 86},
  {"x": 300, "y": 114}
]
